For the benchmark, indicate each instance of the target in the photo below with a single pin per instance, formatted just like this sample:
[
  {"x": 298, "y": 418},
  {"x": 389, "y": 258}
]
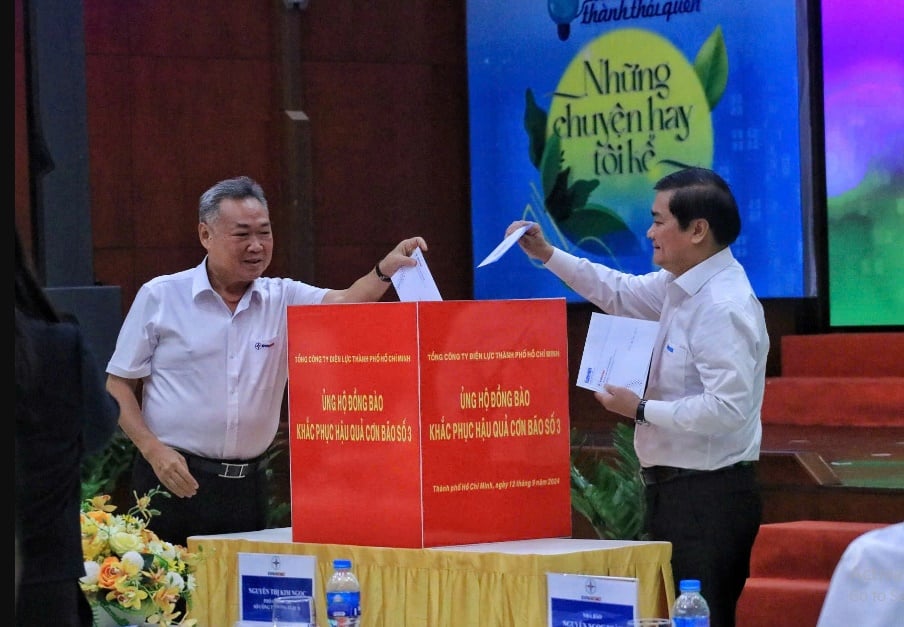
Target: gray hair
[{"x": 237, "y": 188}]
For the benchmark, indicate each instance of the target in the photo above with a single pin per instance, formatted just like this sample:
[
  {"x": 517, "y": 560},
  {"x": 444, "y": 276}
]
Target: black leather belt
[
  {"x": 226, "y": 469},
  {"x": 661, "y": 474}
]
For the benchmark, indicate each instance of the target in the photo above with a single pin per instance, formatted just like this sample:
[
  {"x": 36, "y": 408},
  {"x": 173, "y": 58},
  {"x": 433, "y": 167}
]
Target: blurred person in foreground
[
  {"x": 867, "y": 585},
  {"x": 208, "y": 345},
  {"x": 63, "y": 414},
  {"x": 698, "y": 427}
]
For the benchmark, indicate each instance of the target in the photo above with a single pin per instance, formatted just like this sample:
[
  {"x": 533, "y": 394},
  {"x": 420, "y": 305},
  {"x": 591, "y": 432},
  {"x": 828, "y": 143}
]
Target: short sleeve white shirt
[{"x": 213, "y": 379}]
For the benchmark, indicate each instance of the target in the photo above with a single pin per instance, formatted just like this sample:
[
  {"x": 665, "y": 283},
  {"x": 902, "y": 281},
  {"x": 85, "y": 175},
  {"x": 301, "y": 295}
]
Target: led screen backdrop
[
  {"x": 863, "y": 100},
  {"x": 577, "y": 108}
]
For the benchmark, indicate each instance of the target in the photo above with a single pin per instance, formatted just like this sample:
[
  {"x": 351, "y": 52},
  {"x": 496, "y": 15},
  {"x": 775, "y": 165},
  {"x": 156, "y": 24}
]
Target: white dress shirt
[
  {"x": 708, "y": 370},
  {"x": 213, "y": 380}
]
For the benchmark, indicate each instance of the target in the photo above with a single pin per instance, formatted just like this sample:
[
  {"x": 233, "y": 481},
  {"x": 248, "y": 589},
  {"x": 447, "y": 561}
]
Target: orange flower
[
  {"x": 166, "y": 598},
  {"x": 110, "y": 572}
]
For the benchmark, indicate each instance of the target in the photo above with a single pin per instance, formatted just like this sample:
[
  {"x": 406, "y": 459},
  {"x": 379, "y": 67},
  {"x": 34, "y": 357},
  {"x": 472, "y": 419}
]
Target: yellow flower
[
  {"x": 93, "y": 547},
  {"x": 128, "y": 596},
  {"x": 99, "y": 503},
  {"x": 122, "y": 542},
  {"x": 129, "y": 568}
]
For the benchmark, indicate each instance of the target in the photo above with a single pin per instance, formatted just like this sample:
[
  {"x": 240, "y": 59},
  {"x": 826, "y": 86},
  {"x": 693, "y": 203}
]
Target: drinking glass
[{"x": 294, "y": 611}]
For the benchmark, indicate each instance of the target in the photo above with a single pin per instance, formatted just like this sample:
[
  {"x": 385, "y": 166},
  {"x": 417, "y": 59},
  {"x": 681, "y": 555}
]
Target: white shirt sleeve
[{"x": 866, "y": 588}]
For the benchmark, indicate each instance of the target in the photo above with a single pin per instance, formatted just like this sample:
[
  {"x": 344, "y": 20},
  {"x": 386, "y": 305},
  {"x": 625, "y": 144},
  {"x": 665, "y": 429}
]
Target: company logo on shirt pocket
[
  {"x": 673, "y": 375},
  {"x": 261, "y": 345}
]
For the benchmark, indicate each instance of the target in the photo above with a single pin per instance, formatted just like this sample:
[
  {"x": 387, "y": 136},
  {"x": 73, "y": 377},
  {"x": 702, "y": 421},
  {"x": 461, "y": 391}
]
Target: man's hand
[
  {"x": 171, "y": 468},
  {"x": 371, "y": 287},
  {"x": 532, "y": 242},
  {"x": 400, "y": 256},
  {"x": 618, "y": 400}
]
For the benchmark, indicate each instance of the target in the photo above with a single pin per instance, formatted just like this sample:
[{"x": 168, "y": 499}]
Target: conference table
[{"x": 498, "y": 584}]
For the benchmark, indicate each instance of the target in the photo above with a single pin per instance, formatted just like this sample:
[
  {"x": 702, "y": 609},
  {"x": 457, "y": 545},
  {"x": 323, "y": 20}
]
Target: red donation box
[{"x": 420, "y": 424}]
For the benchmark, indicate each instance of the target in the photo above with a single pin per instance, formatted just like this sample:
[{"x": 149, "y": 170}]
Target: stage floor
[{"x": 859, "y": 456}]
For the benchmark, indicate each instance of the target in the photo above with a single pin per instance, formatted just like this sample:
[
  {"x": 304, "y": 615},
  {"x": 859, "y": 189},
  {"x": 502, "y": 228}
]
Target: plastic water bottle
[
  {"x": 343, "y": 596},
  {"x": 690, "y": 608}
]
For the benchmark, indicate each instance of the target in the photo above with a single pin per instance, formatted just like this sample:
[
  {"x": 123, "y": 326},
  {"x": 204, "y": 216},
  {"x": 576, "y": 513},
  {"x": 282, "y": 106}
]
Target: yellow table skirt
[{"x": 500, "y": 584}]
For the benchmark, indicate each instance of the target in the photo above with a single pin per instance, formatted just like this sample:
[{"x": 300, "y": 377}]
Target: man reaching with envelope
[{"x": 698, "y": 429}]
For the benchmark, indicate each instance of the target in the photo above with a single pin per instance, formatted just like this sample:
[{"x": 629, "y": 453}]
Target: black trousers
[
  {"x": 221, "y": 505},
  {"x": 711, "y": 519}
]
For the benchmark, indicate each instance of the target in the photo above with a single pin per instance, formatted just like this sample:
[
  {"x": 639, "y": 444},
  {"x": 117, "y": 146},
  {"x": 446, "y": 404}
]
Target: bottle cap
[
  {"x": 689, "y": 585},
  {"x": 344, "y": 564}
]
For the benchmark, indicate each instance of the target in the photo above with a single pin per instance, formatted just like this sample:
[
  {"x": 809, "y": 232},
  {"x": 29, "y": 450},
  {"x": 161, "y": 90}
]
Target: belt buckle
[{"x": 237, "y": 473}]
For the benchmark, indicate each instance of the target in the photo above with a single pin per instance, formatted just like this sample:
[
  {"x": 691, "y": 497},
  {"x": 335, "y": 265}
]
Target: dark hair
[
  {"x": 701, "y": 193},
  {"x": 237, "y": 189}
]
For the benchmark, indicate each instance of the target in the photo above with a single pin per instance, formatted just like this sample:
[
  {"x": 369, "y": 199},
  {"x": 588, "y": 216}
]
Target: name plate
[
  {"x": 265, "y": 576},
  {"x": 590, "y": 600}
]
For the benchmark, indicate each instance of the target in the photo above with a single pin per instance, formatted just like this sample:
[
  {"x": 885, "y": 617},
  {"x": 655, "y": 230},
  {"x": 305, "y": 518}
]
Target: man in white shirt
[
  {"x": 698, "y": 428},
  {"x": 209, "y": 347},
  {"x": 867, "y": 587}
]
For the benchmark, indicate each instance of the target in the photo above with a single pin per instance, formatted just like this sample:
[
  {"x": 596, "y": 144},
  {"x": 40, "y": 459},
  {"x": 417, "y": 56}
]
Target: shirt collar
[
  {"x": 695, "y": 278},
  {"x": 200, "y": 282}
]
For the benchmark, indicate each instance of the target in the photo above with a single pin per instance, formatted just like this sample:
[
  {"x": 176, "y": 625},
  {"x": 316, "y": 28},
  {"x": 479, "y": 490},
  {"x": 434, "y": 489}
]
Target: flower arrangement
[{"x": 129, "y": 571}]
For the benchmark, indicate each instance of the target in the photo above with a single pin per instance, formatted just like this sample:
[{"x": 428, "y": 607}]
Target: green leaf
[
  {"x": 593, "y": 228},
  {"x": 563, "y": 197},
  {"x": 579, "y": 192},
  {"x": 599, "y": 230},
  {"x": 535, "y": 125},
  {"x": 551, "y": 167},
  {"x": 711, "y": 66},
  {"x": 558, "y": 201},
  {"x": 101, "y": 472},
  {"x": 609, "y": 494},
  {"x": 279, "y": 508}
]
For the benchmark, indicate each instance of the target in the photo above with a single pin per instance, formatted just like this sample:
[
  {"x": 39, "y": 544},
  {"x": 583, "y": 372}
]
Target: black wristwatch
[
  {"x": 383, "y": 277},
  {"x": 639, "y": 418}
]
